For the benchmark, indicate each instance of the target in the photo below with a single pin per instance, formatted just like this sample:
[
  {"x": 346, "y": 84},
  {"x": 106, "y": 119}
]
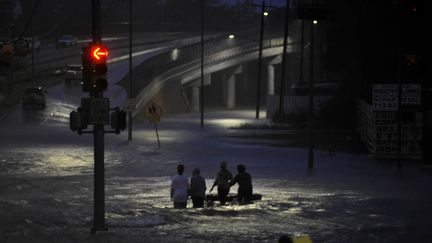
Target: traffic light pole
[{"x": 98, "y": 136}]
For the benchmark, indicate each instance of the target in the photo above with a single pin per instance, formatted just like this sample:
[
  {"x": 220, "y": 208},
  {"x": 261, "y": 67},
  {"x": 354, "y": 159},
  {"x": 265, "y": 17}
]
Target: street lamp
[
  {"x": 231, "y": 36},
  {"x": 315, "y": 22},
  {"x": 266, "y": 13}
]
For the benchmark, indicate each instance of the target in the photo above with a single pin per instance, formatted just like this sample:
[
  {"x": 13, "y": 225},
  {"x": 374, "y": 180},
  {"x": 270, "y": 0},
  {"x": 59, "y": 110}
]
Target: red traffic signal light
[
  {"x": 99, "y": 53},
  {"x": 99, "y": 56},
  {"x": 95, "y": 68}
]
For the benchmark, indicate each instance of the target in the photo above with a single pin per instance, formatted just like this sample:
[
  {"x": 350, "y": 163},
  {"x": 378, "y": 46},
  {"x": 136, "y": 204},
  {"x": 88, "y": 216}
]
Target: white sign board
[
  {"x": 385, "y": 97},
  {"x": 130, "y": 105}
]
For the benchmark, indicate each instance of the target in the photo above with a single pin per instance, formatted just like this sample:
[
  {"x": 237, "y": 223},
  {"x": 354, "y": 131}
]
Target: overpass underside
[{"x": 228, "y": 84}]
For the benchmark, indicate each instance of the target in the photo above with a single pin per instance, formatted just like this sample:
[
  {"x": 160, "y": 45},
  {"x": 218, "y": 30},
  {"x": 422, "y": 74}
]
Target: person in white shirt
[{"x": 179, "y": 188}]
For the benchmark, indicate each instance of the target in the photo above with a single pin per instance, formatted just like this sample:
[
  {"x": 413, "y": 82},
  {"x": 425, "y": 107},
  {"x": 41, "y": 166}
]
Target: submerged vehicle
[{"x": 34, "y": 98}]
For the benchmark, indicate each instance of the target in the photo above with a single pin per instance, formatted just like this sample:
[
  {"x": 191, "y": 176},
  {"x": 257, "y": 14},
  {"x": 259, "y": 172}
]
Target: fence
[{"x": 294, "y": 103}]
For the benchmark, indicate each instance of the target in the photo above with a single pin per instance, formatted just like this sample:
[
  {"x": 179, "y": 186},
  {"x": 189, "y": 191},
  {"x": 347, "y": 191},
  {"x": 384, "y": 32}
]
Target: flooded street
[{"x": 47, "y": 188}]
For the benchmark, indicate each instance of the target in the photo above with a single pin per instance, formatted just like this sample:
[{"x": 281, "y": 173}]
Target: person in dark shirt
[
  {"x": 222, "y": 182},
  {"x": 197, "y": 189},
  {"x": 244, "y": 181}
]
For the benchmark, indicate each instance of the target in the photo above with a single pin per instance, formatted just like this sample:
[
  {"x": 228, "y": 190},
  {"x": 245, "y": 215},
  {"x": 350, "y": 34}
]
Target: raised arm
[{"x": 215, "y": 182}]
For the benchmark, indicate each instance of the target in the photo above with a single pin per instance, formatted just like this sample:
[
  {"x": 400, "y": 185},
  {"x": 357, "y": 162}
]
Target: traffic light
[
  {"x": 94, "y": 60},
  {"x": 118, "y": 120},
  {"x": 75, "y": 122},
  {"x": 87, "y": 83},
  {"x": 78, "y": 120},
  {"x": 99, "y": 56}
]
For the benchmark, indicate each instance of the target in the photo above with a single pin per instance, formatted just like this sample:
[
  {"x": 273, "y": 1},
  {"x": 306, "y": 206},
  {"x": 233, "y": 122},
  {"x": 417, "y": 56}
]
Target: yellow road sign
[{"x": 152, "y": 112}]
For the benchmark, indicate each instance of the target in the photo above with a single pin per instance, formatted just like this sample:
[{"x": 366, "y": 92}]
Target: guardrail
[{"x": 74, "y": 52}]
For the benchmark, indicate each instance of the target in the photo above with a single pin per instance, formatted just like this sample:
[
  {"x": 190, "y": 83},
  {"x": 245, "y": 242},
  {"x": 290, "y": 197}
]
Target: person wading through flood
[
  {"x": 179, "y": 188},
  {"x": 222, "y": 182},
  {"x": 244, "y": 180},
  {"x": 197, "y": 189}
]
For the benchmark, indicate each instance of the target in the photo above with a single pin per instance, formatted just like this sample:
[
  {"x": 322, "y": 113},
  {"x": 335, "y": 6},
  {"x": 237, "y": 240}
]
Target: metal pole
[
  {"x": 258, "y": 93},
  {"x": 96, "y": 22},
  {"x": 202, "y": 65},
  {"x": 32, "y": 38},
  {"x": 99, "y": 179},
  {"x": 98, "y": 136},
  {"x": 284, "y": 57},
  {"x": 311, "y": 100},
  {"x": 301, "y": 51},
  {"x": 130, "y": 71},
  {"x": 399, "y": 115},
  {"x": 157, "y": 134}
]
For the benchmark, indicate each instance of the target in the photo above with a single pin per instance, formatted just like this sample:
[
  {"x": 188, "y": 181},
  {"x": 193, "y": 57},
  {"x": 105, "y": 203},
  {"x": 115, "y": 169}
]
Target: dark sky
[{"x": 272, "y": 2}]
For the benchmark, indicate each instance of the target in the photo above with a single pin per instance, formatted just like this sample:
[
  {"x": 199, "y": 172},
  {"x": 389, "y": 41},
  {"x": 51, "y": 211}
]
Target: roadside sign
[
  {"x": 385, "y": 97},
  {"x": 152, "y": 112},
  {"x": 130, "y": 104}
]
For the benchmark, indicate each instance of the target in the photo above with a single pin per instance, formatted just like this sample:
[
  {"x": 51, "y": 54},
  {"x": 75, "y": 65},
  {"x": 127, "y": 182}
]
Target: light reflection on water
[
  {"x": 52, "y": 161},
  {"x": 144, "y": 198}
]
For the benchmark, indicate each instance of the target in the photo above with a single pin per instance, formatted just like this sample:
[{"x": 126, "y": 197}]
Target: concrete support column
[
  {"x": 271, "y": 74},
  {"x": 270, "y": 79},
  {"x": 195, "y": 99},
  {"x": 231, "y": 86},
  {"x": 231, "y": 91}
]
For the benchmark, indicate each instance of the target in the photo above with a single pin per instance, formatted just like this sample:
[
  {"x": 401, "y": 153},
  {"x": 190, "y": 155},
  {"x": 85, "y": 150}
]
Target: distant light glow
[
  {"x": 231, "y": 36},
  {"x": 315, "y": 21},
  {"x": 227, "y": 122},
  {"x": 266, "y": 13}
]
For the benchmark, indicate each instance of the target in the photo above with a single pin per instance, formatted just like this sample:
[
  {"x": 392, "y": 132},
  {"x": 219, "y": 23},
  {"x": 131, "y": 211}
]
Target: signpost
[{"x": 153, "y": 113}]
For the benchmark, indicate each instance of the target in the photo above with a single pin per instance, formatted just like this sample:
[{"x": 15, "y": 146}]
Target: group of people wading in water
[{"x": 182, "y": 187}]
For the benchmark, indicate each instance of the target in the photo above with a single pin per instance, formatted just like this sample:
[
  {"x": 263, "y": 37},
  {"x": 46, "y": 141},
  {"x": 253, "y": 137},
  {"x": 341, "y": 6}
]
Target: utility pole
[
  {"x": 313, "y": 12},
  {"x": 284, "y": 56},
  {"x": 130, "y": 72},
  {"x": 258, "y": 92},
  {"x": 311, "y": 98},
  {"x": 32, "y": 43},
  {"x": 202, "y": 66},
  {"x": 98, "y": 137},
  {"x": 399, "y": 115},
  {"x": 301, "y": 52}
]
